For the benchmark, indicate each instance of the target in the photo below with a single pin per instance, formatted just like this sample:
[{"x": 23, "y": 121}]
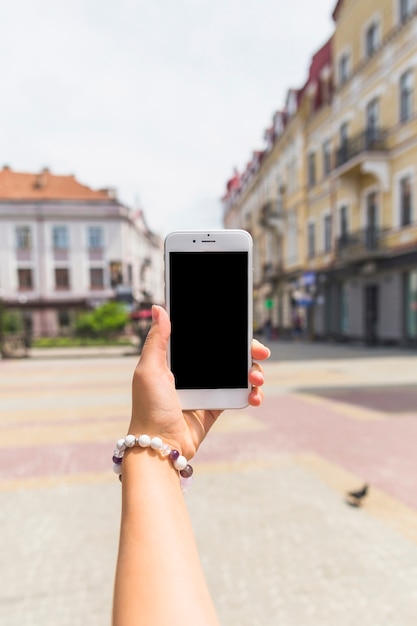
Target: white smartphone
[{"x": 208, "y": 294}]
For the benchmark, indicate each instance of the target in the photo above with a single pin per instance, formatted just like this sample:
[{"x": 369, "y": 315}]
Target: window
[
  {"x": 95, "y": 237},
  {"x": 292, "y": 239},
  {"x": 343, "y": 151},
  {"x": 291, "y": 175},
  {"x": 343, "y": 69},
  {"x": 343, "y": 133},
  {"x": 344, "y": 223},
  {"x": 25, "y": 279},
  {"x": 311, "y": 243},
  {"x": 405, "y": 201},
  {"x": 96, "y": 278},
  {"x": 406, "y": 10},
  {"x": 116, "y": 273},
  {"x": 311, "y": 168},
  {"x": 406, "y": 96},
  {"x": 327, "y": 157},
  {"x": 23, "y": 238},
  {"x": 327, "y": 232},
  {"x": 371, "y": 39},
  {"x": 129, "y": 273},
  {"x": 372, "y": 121},
  {"x": 371, "y": 229},
  {"x": 411, "y": 304},
  {"x": 64, "y": 319},
  {"x": 61, "y": 278},
  {"x": 60, "y": 238}
]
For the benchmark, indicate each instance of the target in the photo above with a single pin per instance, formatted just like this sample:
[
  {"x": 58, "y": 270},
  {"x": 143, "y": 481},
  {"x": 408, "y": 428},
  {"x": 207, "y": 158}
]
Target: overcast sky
[{"x": 160, "y": 99}]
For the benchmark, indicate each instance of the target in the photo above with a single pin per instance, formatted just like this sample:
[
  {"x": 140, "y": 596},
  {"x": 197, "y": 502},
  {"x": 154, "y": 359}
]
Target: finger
[
  {"x": 259, "y": 351},
  {"x": 154, "y": 352},
  {"x": 256, "y": 375},
  {"x": 256, "y": 397}
]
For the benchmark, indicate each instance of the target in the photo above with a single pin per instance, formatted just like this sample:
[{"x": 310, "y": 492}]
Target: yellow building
[{"x": 331, "y": 200}]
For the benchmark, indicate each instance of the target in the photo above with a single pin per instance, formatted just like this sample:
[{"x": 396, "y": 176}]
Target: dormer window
[
  {"x": 278, "y": 124},
  {"x": 292, "y": 103}
]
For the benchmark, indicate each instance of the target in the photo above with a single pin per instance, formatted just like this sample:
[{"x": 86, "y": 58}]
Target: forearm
[{"x": 159, "y": 578}]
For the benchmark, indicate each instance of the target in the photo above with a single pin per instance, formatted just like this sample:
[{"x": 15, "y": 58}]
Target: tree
[{"x": 104, "y": 321}]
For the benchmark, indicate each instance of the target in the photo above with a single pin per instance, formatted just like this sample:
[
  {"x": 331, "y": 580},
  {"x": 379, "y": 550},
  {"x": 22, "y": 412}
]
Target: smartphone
[{"x": 209, "y": 296}]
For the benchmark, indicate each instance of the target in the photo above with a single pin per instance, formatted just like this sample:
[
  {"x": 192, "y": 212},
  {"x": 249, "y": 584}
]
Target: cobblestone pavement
[{"x": 278, "y": 541}]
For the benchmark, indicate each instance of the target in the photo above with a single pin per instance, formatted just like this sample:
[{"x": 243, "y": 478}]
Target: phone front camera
[{"x": 193, "y": 240}]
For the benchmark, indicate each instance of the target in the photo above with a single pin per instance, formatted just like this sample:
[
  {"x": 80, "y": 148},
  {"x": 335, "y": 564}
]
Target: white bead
[
  {"x": 180, "y": 463},
  {"x": 144, "y": 441},
  {"x": 117, "y": 468},
  {"x": 121, "y": 444},
  {"x": 156, "y": 443},
  {"x": 130, "y": 441},
  {"x": 165, "y": 450}
]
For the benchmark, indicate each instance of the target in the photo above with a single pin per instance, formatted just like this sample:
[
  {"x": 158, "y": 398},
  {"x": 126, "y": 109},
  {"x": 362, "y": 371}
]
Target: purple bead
[
  {"x": 173, "y": 455},
  {"x": 117, "y": 460},
  {"x": 187, "y": 471}
]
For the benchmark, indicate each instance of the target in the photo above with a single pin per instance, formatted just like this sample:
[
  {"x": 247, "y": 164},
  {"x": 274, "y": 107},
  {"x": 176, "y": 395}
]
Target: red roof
[
  {"x": 320, "y": 59},
  {"x": 46, "y": 186}
]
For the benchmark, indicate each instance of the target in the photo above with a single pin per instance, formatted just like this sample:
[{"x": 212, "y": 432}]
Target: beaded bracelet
[{"x": 179, "y": 461}]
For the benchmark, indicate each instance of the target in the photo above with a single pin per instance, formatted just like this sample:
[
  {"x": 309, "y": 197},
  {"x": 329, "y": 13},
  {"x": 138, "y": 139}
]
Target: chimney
[{"x": 40, "y": 180}]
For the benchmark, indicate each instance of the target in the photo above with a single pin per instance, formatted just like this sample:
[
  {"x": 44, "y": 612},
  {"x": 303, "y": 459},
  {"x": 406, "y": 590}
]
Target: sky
[{"x": 159, "y": 99}]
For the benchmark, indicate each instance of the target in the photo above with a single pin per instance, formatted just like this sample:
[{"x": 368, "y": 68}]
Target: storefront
[{"x": 373, "y": 302}]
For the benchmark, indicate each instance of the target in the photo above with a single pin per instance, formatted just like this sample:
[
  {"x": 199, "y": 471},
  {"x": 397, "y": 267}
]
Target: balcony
[
  {"x": 361, "y": 245},
  {"x": 369, "y": 140}
]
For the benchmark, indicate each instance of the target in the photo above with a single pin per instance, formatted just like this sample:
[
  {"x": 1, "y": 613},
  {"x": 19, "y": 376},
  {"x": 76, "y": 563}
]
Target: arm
[{"x": 159, "y": 578}]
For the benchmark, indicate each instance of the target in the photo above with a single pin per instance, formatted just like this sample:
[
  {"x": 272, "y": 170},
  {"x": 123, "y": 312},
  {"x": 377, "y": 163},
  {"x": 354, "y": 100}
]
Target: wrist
[{"x": 153, "y": 446}]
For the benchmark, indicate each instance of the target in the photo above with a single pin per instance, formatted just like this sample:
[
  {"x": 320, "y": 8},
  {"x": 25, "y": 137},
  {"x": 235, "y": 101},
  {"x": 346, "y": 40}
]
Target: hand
[{"x": 156, "y": 410}]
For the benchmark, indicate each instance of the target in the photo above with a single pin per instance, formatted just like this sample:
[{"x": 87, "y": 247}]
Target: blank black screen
[{"x": 209, "y": 317}]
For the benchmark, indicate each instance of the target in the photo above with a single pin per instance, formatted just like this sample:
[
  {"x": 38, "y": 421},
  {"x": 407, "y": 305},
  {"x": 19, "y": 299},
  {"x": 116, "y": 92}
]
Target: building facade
[
  {"x": 65, "y": 247},
  {"x": 332, "y": 201}
]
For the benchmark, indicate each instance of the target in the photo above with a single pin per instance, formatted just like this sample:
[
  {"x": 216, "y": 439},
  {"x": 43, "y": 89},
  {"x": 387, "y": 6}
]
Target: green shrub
[
  {"x": 74, "y": 342},
  {"x": 106, "y": 320},
  {"x": 11, "y": 322}
]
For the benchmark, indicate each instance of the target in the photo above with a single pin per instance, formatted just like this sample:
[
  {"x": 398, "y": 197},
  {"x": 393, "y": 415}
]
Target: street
[{"x": 279, "y": 541}]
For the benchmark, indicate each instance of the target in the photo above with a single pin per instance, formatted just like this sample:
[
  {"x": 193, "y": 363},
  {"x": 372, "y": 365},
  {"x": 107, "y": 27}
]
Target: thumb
[{"x": 154, "y": 352}]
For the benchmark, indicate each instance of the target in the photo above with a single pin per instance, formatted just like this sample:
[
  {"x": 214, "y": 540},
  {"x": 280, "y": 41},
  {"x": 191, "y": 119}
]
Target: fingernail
[{"x": 155, "y": 313}]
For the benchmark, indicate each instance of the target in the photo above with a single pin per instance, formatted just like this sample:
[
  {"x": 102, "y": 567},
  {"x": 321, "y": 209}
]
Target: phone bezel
[{"x": 227, "y": 240}]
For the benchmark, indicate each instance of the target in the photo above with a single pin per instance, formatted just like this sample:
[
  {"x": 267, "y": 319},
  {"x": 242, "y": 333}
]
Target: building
[
  {"x": 332, "y": 201},
  {"x": 65, "y": 247}
]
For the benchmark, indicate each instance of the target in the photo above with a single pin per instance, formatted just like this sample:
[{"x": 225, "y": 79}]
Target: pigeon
[{"x": 354, "y": 498}]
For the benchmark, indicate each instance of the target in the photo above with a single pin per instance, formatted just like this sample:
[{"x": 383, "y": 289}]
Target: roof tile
[{"x": 46, "y": 186}]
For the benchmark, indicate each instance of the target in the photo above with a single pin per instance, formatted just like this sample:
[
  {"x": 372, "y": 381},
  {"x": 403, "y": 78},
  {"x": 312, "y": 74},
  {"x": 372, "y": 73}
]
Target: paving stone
[{"x": 278, "y": 542}]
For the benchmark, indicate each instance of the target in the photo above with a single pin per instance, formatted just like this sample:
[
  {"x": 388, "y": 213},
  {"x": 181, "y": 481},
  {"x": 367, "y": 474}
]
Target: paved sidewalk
[{"x": 279, "y": 544}]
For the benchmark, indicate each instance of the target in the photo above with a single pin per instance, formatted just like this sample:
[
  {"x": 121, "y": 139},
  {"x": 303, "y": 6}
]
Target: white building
[{"x": 65, "y": 247}]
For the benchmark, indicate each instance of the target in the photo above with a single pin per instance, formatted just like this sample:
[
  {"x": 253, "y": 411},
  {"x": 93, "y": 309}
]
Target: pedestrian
[
  {"x": 159, "y": 579},
  {"x": 297, "y": 326},
  {"x": 268, "y": 329}
]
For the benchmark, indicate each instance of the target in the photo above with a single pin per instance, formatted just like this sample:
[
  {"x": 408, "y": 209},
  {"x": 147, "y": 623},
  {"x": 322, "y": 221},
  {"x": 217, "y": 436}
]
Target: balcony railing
[
  {"x": 369, "y": 140},
  {"x": 361, "y": 244}
]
